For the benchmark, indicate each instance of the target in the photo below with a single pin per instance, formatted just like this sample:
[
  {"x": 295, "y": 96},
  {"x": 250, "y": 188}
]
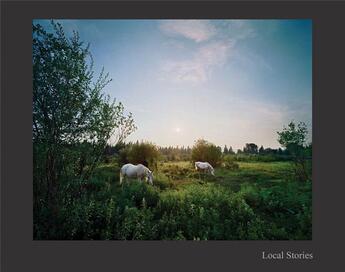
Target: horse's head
[
  {"x": 150, "y": 177},
  {"x": 211, "y": 169}
]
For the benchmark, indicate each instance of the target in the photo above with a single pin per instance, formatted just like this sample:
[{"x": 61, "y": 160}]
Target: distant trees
[
  {"x": 227, "y": 150},
  {"x": 231, "y": 151},
  {"x": 175, "y": 153},
  {"x": 73, "y": 120},
  {"x": 250, "y": 148},
  {"x": 261, "y": 150},
  {"x": 206, "y": 151},
  {"x": 293, "y": 138}
]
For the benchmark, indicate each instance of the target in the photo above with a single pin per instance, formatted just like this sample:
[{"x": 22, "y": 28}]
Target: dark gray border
[{"x": 20, "y": 253}]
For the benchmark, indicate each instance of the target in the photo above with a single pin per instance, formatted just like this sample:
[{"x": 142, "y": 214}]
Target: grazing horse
[
  {"x": 138, "y": 171},
  {"x": 205, "y": 167}
]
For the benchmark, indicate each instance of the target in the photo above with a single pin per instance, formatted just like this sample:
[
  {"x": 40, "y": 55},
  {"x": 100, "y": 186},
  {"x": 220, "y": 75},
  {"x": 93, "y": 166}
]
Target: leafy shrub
[
  {"x": 144, "y": 153},
  {"x": 260, "y": 157},
  {"x": 286, "y": 209},
  {"x": 85, "y": 218},
  {"x": 207, "y": 212},
  {"x": 207, "y": 152},
  {"x": 176, "y": 172},
  {"x": 162, "y": 182},
  {"x": 136, "y": 193},
  {"x": 137, "y": 224},
  {"x": 229, "y": 163}
]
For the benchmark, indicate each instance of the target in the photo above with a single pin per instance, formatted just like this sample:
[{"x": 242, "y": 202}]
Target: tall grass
[{"x": 258, "y": 201}]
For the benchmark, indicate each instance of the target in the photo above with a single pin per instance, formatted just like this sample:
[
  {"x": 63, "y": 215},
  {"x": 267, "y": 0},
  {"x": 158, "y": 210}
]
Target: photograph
[{"x": 172, "y": 129}]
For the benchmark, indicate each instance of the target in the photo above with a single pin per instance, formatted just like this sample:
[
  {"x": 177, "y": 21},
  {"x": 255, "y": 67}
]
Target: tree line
[
  {"x": 182, "y": 153},
  {"x": 292, "y": 138}
]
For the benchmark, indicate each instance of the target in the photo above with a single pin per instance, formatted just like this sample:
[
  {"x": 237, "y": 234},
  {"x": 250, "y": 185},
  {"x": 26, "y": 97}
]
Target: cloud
[
  {"x": 188, "y": 70},
  {"x": 196, "y": 30},
  {"x": 200, "y": 66},
  {"x": 215, "y": 43}
]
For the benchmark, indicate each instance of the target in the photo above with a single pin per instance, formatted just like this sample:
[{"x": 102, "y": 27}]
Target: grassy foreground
[{"x": 258, "y": 201}]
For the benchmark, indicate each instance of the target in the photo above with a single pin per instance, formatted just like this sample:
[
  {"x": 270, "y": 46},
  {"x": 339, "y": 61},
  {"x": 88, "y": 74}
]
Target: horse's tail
[
  {"x": 121, "y": 177},
  {"x": 196, "y": 168}
]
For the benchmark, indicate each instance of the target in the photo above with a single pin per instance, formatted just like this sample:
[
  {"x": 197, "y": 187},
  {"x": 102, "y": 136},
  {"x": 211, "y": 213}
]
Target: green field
[{"x": 258, "y": 201}]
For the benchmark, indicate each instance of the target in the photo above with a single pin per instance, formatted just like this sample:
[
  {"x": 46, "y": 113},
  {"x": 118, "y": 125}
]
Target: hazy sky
[{"x": 228, "y": 81}]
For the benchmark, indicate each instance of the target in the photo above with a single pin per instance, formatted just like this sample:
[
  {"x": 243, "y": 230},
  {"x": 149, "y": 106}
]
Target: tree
[
  {"x": 220, "y": 149},
  {"x": 226, "y": 150},
  {"x": 250, "y": 148},
  {"x": 73, "y": 120},
  {"x": 231, "y": 151},
  {"x": 261, "y": 150},
  {"x": 280, "y": 151},
  {"x": 145, "y": 153},
  {"x": 293, "y": 138},
  {"x": 206, "y": 151},
  {"x": 293, "y": 135}
]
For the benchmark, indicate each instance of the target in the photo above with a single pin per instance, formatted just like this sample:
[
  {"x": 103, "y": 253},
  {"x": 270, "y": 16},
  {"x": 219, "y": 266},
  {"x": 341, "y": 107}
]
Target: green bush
[
  {"x": 144, "y": 153},
  {"x": 260, "y": 157},
  {"x": 137, "y": 224},
  {"x": 286, "y": 209},
  {"x": 138, "y": 194},
  {"x": 206, "y": 152},
  {"x": 229, "y": 163},
  {"x": 207, "y": 212},
  {"x": 163, "y": 182},
  {"x": 176, "y": 172}
]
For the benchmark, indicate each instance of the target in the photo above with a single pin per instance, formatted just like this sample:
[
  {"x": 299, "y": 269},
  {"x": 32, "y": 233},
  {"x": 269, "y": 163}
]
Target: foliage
[
  {"x": 293, "y": 138},
  {"x": 229, "y": 163},
  {"x": 293, "y": 135},
  {"x": 207, "y": 152},
  {"x": 175, "y": 153},
  {"x": 266, "y": 206},
  {"x": 227, "y": 150},
  {"x": 286, "y": 208},
  {"x": 144, "y": 153},
  {"x": 73, "y": 120},
  {"x": 250, "y": 148},
  {"x": 260, "y": 158},
  {"x": 207, "y": 212}
]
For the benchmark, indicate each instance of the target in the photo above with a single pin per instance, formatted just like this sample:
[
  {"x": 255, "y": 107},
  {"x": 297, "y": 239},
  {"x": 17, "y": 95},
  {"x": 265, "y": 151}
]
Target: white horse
[
  {"x": 138, "y": 171},
  {"x": 205, "y": 167}
]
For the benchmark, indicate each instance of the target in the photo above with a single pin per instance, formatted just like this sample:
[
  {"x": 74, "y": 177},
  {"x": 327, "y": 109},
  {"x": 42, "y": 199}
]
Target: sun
[{"x": 177, "y": 130}]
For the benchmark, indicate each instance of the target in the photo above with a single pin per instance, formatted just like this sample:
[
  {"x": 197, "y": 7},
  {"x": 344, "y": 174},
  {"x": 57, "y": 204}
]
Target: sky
[{"x": 230, "y": 82}]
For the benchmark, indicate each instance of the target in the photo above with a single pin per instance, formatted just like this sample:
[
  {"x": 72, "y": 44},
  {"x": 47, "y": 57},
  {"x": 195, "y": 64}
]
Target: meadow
[{"x": 256, "y": 201}]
